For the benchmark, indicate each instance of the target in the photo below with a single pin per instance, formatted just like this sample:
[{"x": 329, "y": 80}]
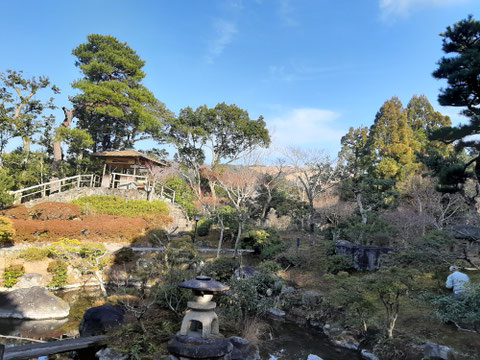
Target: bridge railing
[
  {"x": 55, "y": 186},
  {"x": 129, "y": 181}
]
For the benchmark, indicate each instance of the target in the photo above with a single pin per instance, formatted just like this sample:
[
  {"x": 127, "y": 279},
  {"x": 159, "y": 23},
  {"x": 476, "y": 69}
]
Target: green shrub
[
  {"x": 33, "y": 253},
  {"x": 157, "y": 236},
  {"x": 338, "y": 263},
  {"x": 266, "y": 242},
  {"x": 222, "y": 268},
  {"x": 184, "y": 195},
  {"x": 124, "y": 255},
  {"x": 6, "y": 183},
  {"x": 11, "y": 275},
  {"x": 203, "y": 227},
  {"x": 270, "y": 265},
  {"x": 112, "y": 205},
  {"x": 180, "y": 251},
  {"x": 58, "y": 269},
  {"x": 6, "y": 230}
]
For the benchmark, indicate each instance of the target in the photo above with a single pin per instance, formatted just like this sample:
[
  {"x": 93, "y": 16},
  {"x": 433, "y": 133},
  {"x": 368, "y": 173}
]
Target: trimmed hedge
[
  {"x": 11, "y": 275},
  {"x": 55, "y": 210},
  {"x": 113, "y": 205}
]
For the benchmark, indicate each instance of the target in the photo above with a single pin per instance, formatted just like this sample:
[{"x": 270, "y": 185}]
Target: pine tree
[{"x": 114, "y": 106}]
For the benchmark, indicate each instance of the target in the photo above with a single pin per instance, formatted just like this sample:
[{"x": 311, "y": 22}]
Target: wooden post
[
  {"x": 2, "y": 351},
  {"x": 78, "y": 180},
  {"x": 44, "y": 190},
  {"x": 173, "y": 197},
  {"x": 91, "y": 180}
]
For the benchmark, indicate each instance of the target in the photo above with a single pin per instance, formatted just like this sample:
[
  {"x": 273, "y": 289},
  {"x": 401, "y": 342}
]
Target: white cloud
[
  {"x": 286, "y": 12},
  {"x": 402, "y": 8},
  {"x": 224, "y": 33},
  {"x": 307, "y": 127},
  {"x": 299, "y": 71}
]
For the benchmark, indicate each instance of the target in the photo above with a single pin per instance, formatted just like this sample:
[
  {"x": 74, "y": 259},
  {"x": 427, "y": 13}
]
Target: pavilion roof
[{"x": 130, "y": 153}]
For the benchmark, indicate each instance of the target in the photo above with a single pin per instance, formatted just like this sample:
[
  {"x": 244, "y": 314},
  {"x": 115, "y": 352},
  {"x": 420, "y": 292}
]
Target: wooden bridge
[
  {"x": 24, "y": 352},
  {"x": 117, "y": 181}
]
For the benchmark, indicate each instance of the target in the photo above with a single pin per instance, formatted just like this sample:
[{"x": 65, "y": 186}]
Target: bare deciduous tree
[{"x": 315, "y": 173}]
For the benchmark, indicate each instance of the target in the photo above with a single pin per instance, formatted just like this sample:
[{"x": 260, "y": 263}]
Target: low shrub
[
  {"x": 112, "y": 205},
  {"x": 93, "y": 227},
  {"x": 16, "y": 212},
  {"x": 55, "y": 210},
  {"x": 180, "y": 251},
  {"x": 124, "y": 255},
  {"x": 33, "y": 253},
  {"x": 157, "y": 236},
  {"x": 11, "y": 274},
  {"x": 7, "y": 230},
  {"x": 203, "y": 227},
  {"x": 58, "y": 269},
  {"x": 270, "y": 266},
  {"x": 339, "y": 263},
  {"x": 222, "y": 268},
  {"x": 266, "y": 242}
]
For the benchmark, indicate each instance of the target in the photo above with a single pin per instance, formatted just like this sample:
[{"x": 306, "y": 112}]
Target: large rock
[
  {"x": 97, "y": 320},
  {"x": 363, "y": 257},
  {"x": 435, "y": 351},
  {"x": 29, "y": 280},
  {"x": 34, "y": 303}
]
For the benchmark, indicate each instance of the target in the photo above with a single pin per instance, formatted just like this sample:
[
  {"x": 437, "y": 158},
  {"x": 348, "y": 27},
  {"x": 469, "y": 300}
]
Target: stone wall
[{"x": 364, "y": 257}]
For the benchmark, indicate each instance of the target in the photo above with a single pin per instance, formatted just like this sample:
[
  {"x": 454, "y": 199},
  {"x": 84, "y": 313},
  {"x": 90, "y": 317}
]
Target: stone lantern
[
  {"x": 202, "y": 309},
  {"x": 199, "y": 337}
]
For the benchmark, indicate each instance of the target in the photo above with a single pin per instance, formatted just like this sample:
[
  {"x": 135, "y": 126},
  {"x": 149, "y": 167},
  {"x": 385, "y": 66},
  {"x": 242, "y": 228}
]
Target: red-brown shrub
[
  {"x": 91, "y": 227},
  {"x": 55, "y": 210},
  {"x": 16, "y": 212}
]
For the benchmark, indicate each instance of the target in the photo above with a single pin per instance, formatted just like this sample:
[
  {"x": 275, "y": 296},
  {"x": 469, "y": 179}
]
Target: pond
[
  {"x": 287, "y": 340},
  {"x": 293, "y": 342}
]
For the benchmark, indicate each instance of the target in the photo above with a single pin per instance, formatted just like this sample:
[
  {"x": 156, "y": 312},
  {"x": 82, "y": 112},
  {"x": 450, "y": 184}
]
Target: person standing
[{"x": 457, "y": 281}]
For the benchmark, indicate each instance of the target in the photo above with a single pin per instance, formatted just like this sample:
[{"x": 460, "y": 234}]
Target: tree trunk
[
  {"x": 57, "y": 142},
  {"x": 220, "y": 240},
  {"x": 98, "y": 276},
  {"x": 312, "y": 216},
  {"x": 237, "y": 241},
  {"x": 26, "y": 144},
  {"x": 263, "y": 216},
  {"x": 211, "y": 185},
  {"x": 391, "y": 324},
  {"x": 363, "y": 212}
]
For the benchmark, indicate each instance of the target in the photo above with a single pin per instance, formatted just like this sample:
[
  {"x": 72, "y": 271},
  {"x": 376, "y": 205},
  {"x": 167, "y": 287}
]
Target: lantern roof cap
[{"x": 204, "y": 283}]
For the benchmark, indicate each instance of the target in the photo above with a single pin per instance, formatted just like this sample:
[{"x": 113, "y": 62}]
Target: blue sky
[{"x": 312, "y": 68}]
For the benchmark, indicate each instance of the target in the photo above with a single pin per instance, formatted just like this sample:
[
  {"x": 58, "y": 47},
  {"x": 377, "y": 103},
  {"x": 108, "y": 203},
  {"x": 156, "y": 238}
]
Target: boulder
[
  {"x": 110, "y": 354},
  {"x": 184, "y": 346},
  {"x": 311, "y": 298},
  {"x": 276, "y": 312},
  {"x": 245, "y": 272},
  {"x": 29, "y": 280},
  {"x": 34, "y": 303},
  {"x": 98, "y": 319},
  {"x": 243, "y": 350},
  {"x": 432, "y": 350},
  {"x": 368, "y": 355},
  {"x": 346, "y": 340},
  {"x": 314, "y": 357}
]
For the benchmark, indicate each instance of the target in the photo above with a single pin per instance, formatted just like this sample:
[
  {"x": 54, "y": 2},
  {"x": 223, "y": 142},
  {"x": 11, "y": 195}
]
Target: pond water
[
  {"x": 287, "y": 340},
  {"x": 293, "y": 342}
]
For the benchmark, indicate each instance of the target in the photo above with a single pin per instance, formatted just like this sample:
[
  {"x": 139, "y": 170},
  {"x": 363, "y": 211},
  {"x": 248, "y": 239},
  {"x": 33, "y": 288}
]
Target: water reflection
[
  {"x": 30, "y": 328},
  {"x": 293, "y": 342}
]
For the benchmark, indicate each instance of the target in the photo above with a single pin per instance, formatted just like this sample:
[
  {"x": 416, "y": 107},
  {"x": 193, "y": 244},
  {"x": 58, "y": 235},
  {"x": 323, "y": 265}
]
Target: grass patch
[{"x": 33, "y": 253}]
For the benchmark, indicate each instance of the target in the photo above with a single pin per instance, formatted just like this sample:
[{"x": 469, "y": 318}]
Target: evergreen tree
[
  {"x": 114, "y": 106},
  {"x": 391, "y": 142},
  {"x": 461, "y": 69},
  {"x": 423, "y": 120}
]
